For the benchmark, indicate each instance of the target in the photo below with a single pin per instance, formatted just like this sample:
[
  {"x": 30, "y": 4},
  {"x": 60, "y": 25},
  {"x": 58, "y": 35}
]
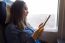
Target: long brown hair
[{"x": 16, "y": 11}]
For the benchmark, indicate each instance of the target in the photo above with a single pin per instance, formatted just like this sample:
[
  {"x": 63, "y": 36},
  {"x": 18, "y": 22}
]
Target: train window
[
  {"x": 39, "y": 11},
  {"x": 13, "y": 0}
]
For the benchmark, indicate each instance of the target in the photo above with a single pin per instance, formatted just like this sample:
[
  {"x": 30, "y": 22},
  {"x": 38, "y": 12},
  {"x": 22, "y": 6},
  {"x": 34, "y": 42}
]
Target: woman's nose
[{"x": 27, "y": 11}]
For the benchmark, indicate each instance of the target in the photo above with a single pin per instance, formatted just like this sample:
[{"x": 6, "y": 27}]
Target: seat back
[{"x": 2, "y": 20}]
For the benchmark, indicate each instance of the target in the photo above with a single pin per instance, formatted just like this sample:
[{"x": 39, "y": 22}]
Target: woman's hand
[{"x": 38, "y": 32}]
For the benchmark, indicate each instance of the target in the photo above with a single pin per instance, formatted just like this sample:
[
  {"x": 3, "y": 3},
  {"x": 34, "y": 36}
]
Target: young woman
[{"x": 18, "y": 30}]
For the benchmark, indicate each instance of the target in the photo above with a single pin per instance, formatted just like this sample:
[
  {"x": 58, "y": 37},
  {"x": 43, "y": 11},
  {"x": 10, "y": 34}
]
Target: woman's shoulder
[{"x": 11, "y": 28}]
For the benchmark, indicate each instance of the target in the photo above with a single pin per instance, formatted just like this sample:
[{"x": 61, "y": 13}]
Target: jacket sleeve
[
  {"x": 11, "y": 35},
  {"x": 15, "y": 36},
  {"x": 25, "y": 38}
]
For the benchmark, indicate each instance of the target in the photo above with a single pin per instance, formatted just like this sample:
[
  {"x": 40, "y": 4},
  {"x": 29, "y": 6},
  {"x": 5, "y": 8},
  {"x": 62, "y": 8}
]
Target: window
[
  {"x": 39, "y": 11},
  {"x": 13, "y": 0}
]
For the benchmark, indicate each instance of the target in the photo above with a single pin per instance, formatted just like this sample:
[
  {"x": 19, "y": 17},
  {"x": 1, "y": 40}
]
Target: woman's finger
[
  {"x": 39, "y": 33},
  {"x": 41, "y": 24}
]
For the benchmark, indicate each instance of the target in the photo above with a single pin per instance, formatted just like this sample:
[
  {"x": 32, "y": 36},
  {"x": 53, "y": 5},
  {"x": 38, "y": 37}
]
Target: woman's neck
[{"x": 24, "y": 24}]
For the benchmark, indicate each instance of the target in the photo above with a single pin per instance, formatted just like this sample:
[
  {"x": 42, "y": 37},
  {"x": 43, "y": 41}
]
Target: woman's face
[{"x": 25, "y": 11}]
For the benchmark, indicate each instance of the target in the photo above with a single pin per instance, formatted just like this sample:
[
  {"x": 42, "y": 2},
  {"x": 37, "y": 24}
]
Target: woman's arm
[
  {"x": 11, "y": 34},
  {"x": 38, "y": 33},
  {"x": 26, "y": 38}
]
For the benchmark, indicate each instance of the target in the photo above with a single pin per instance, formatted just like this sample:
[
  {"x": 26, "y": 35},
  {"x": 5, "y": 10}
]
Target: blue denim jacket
[{"x": 13, "y": 35}]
